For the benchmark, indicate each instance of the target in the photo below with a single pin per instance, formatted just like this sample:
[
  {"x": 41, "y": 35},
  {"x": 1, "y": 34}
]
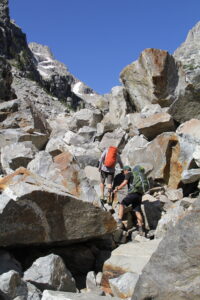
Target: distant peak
[
  {"x": 194, "y": 33},
  {"x": 4, "y": 11}
]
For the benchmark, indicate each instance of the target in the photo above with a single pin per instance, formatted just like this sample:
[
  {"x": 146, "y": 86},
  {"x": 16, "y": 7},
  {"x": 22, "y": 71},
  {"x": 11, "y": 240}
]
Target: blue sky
[{"x": 96, "y": 39}]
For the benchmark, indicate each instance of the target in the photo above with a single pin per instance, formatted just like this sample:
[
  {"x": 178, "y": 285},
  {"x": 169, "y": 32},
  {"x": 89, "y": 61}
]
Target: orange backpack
[{"x": 111, "y": 157}]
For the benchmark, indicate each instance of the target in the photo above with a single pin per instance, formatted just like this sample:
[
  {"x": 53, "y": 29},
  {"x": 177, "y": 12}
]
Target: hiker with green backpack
[{"x": 138, "y": 184}]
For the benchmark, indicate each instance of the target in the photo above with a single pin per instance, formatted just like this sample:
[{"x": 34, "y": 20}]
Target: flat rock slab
[
  {"x": 51, "y": 295},
  {"x": 130, "y": 257},
  {"x": 34, "y": 210}
]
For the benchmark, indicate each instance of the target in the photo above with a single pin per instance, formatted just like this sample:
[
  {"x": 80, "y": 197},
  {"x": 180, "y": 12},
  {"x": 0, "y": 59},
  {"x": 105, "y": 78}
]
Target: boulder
[
  {"x": 84, "y": 117},
  {"x": 38, "y": 211},
  {"x": 173, "y": 270},
  {"x": 17, "y": 155},
  {"x": 118, "y": 105},
  {"x": 169, "y": 219},
  {"x": 151, "y": 109},
  {"x": 187, "y": 104},
  {"x": 123, "y": 286},
  {"x": 52, "y": 295},
  {"x": 50, "y": 272},
  {"x": 190, "y": 130},
  {"x": 13, "y": 287},
  {"x": 64, "y": 170},
  {"x": 151, "y": 79},
  {"x": 6, "y": 108},
  {"x": 196, "y": 155},
  {"x": 154, "y": 125},
  {"x": 116, "y": 138},
  {"x": 190, "y": 176},
  {"x": 130, "y": 257},
  {"x": 134, "y": 143}
]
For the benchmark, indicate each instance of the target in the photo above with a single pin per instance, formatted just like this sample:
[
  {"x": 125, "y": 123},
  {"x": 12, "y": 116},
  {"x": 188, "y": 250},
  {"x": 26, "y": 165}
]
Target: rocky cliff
[{"x": 56, "y": 238}]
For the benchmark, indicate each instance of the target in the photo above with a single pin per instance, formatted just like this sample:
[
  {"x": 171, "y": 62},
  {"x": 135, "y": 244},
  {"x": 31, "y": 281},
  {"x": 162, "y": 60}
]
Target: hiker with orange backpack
[{"x": 109, "y": 158}]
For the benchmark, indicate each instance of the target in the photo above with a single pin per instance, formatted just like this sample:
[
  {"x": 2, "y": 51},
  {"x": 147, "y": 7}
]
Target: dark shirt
[{"x": 129, "y": 177}]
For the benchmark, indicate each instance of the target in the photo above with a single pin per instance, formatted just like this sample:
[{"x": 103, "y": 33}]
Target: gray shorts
[{"x": 108, "y": 176}]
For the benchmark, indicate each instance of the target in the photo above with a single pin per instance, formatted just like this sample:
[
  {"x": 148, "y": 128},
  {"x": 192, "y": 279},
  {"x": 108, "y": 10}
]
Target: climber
[
  {"x": 132, "y": 198},
  {"x": 109, "y": 158}
]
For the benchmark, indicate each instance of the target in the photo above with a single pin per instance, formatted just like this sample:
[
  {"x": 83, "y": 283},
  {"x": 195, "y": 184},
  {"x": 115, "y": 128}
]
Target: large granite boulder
[
  {"x": 151, "y": 79},
  {"x": 37, "y": 211},
  {"x": 64, "y": 170},
  {"x": 187, "y": 103},
  {"x": 173, "y": 270}
]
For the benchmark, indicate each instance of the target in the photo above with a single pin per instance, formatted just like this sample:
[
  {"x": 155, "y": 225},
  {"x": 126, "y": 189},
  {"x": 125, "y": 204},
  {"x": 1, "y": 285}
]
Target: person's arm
[
  {"x": 125, "y": 182},
  {"x": 120, "y": 161},
  {"x": 102, "y": 159}
]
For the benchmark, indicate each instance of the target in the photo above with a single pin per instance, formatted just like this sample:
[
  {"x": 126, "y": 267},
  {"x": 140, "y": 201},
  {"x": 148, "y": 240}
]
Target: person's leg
[
  {"x": 139, "y": 218},
  {"x": 121, "y": 211},
  {"x": 137, "y": 209},
  {"x": 102, "y": 184},
  {"x": 125, "y": 202},
  {"x": 110, "y": 179}
]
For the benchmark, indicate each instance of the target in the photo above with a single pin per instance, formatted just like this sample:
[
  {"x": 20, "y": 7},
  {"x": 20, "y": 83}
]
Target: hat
[{"x": 127, "y": 168}]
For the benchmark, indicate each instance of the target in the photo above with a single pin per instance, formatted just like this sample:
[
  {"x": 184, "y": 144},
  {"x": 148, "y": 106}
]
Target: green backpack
[{"x": 140, "y": 182}]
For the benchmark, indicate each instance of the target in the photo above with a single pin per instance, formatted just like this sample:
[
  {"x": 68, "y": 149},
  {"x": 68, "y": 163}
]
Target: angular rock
[
  {"x": 6, "y": 108},
  {"x": 187, "y": 104},
  {"x": 72, "y": 138},
  {"x": 196, "y": 155},
  {"x": 150, "y": 110},
  {"x": 10, "y": 136},
  {"x": 154, "y": 125},
  {"x": 190, "y": 176},
  {"x": 51, "y": 295},
  {"x": 17, "y": 155},
  {"x": 64, "y": 170},
  {"x": 173, "y": 270},
  {"x": 190, "y": 130},
  {"x": 123, "y": 286},
  {"x": 151, "y": 79},
  {"x": 91, "y": 280},
  {"x": 118, "y": 105},
  {"x": 115, "y": 138},
  {"x": 130, "y": 257},
  {"x": 38, "y": 211},
  {"x": 106, "y": 125},
  {"x": 152, "y": 213},
  {"x": 13, "y": 287},
  {"x": 174, "y": 194},
  {"x": 49, "y": 272},
  {"x": 133, "y": 144},
  {"x": 87, "y": 133},
  {"x": 85, "y": 117},
  {"x": 174, "y": 213}
]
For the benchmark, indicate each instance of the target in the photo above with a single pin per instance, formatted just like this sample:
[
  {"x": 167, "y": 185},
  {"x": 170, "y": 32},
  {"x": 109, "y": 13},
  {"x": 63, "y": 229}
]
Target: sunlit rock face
[
  {"x": 151, "y": 79},
  {"x": 187, "y": 105},
  {"x": 36, "y": 211}
]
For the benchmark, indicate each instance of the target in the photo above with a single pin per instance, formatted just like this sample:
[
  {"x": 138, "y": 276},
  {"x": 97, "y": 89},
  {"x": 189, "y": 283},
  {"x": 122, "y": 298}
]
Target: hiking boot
[{"x": 141, "y": 231}]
